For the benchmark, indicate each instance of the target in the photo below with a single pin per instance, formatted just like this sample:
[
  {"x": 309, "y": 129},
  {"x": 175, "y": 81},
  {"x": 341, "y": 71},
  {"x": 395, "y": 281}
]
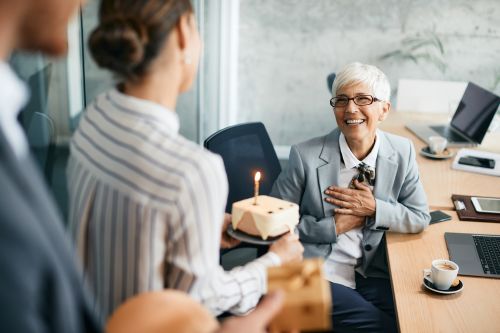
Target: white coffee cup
[
  {"x": 437, "y": 144},
  {"x": 442, "y": 273}
]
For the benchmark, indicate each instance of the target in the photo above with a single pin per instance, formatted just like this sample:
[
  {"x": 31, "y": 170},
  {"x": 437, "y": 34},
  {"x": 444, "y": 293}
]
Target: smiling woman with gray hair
[{"x": 352, "y": 185}]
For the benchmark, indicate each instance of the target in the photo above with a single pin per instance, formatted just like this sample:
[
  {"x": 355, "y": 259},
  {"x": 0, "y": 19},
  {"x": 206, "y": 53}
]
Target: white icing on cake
[{"x": 270, "y": 217}]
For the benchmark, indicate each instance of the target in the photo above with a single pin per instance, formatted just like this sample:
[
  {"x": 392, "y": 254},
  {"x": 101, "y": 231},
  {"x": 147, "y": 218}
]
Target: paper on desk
[{"x": 477, "y": 153}]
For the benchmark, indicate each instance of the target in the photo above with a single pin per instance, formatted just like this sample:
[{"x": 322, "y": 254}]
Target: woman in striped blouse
[{"x": 146, "y": 204}]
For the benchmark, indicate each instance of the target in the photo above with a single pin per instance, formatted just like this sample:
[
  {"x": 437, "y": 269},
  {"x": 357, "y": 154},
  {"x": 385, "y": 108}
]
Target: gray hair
[{"x": 355, "y": 73}]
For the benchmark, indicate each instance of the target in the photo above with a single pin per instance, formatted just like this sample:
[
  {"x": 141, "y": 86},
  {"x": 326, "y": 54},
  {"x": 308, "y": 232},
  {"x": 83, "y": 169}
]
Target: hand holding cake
[{"x": 226, "y": 241}]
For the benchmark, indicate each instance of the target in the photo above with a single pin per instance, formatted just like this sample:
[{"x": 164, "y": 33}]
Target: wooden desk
[
  {"x": 475, "y": 309},
  {"x": 439, "y": 179}
]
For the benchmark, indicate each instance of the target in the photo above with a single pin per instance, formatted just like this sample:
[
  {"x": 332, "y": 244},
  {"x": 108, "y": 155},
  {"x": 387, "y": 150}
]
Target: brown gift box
[{"x": 308, "y": 303}]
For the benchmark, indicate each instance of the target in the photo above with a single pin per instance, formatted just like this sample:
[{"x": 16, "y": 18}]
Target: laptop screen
[{"x": 475, "y": 112}]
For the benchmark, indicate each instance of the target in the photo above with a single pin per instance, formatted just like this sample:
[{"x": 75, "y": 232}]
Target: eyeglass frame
[{"x": 373, "y": 98}]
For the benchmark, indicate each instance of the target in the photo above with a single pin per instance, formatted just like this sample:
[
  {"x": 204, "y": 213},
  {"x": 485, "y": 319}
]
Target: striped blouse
[{"x": 146, "y": 209}]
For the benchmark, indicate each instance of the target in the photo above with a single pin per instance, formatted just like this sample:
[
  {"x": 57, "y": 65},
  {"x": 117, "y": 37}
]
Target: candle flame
[{"x": 257, "y": 176}]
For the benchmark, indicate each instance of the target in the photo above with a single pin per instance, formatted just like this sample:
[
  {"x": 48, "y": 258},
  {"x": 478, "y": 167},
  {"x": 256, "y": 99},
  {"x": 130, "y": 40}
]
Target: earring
[{"x": 187, "y": 59}]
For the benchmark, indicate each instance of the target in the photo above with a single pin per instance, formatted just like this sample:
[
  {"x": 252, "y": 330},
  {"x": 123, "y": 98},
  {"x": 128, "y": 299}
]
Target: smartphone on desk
[
  {"x": 480, "y": 162},
  {"x": 439, "y": 216}
]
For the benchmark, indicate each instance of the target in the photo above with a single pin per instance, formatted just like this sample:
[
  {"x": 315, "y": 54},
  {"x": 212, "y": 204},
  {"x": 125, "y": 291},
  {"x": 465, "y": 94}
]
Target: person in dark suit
[{"x": 41, "y": 288}]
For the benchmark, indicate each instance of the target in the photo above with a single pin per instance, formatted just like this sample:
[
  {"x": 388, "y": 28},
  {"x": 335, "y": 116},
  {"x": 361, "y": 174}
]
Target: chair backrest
[
  {"x": 41, "y": 139},
  {"x": 245, "y": 149},
  {"x": 329, "y": 81},
  {"x": 37, "y": 123}
]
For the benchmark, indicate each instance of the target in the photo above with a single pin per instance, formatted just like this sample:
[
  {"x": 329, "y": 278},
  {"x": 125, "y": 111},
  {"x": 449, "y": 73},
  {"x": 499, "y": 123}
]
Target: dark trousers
[{"x": 368, "y": 308}]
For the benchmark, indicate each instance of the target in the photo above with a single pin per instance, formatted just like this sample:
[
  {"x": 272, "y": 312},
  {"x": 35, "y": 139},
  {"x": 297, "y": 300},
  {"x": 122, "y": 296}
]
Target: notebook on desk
[
  {"x": 475, "y": 254},
  {"x": 469, "y": 123},
  {"x": 466, "y": 212}
]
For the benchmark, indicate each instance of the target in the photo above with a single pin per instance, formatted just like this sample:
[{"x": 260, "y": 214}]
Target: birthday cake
[{"x": 269, "y": 217}]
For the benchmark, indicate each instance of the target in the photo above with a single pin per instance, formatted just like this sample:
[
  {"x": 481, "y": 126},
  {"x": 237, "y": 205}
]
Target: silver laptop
[
  {"x": 470, "y": 121},
  {"x": 475, "y": 254}
]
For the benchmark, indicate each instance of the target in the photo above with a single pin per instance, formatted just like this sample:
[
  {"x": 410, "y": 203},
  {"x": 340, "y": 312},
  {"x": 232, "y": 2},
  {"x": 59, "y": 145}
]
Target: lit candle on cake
[
  {"x": 256, "y": 187},
  {"x": 263, "y": 215}
]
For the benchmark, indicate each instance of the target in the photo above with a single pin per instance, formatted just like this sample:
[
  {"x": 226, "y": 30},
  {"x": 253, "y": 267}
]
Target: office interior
[{"x": 268, "y": 61}]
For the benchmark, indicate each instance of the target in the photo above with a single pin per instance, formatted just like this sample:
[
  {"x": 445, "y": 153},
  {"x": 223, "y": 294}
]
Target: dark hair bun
[{"x": 119, "y": 44}]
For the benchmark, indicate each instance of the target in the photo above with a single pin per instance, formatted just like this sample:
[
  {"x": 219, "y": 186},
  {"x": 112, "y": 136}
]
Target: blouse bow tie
[{"x": 366, "y": 175}]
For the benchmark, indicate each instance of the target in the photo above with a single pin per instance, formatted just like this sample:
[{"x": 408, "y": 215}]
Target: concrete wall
[{"x": 287, "y": 47}]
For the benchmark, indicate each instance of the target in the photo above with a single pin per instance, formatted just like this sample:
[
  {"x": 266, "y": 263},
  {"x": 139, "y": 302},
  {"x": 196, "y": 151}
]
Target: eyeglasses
[{"x": 360, "y": 100}]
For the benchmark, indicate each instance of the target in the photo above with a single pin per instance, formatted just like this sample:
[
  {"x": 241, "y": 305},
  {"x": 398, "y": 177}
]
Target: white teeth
[{"x": 354, "y": 121}]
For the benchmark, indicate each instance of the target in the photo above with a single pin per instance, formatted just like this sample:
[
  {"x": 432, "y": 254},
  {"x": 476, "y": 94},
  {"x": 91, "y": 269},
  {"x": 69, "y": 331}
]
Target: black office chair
[
  {"x": 41, "y": 139},
  {"x": 38, "y": 125},
  {"x": 329, "y": 81},
  {"x": 245, "y": 149}
]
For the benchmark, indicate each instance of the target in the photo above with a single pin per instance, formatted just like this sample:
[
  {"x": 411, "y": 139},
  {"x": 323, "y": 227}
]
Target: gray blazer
[{"x": 400, "y": 198}]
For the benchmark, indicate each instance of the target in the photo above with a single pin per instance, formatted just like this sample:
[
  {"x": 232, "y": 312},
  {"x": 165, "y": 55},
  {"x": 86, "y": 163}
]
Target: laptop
[
  {"x": 470, "y": 121},
  {"x": 475, "y": 254}
]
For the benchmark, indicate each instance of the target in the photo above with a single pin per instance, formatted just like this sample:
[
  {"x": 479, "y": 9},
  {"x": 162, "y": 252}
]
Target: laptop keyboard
[
  {"x": 446, "y": 132},
  {"x": 488, "y": 249}
]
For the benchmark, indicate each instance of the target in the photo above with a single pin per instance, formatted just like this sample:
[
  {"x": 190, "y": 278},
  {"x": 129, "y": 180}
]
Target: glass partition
[{"x": 192, "y": 105}]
